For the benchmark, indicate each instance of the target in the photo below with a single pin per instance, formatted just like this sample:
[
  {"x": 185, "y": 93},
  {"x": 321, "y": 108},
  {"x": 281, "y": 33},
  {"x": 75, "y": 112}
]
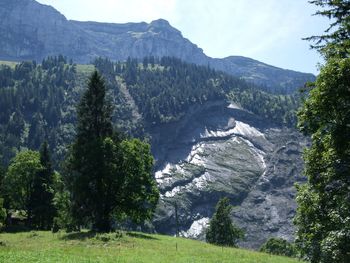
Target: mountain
[
  {"x": 31, "y": 30},
  {"x": 212, "y": 135},
  {"x": 224, "y": 151}
]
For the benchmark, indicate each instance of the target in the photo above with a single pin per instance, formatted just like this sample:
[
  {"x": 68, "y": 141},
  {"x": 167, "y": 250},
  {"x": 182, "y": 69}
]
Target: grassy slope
[
  {"x": 47, "y": 247},
  {"x": 11, "y": 64}
]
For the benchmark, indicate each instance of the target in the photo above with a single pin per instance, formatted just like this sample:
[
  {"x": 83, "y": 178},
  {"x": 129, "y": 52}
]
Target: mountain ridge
[{"x": 34, "y": 31}]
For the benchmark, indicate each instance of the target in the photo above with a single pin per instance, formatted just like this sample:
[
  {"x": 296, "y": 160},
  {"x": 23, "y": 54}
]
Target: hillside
[
  {"x": 212, "y": 135},
  {"x": 130, "y": 247},
  {"x": 32, "y": 31}
]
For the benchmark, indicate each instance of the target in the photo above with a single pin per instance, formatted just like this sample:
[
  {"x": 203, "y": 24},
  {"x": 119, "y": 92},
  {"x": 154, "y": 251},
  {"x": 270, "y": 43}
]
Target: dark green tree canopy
[
  {"x": 94, "y": 111},
  {"x": 221, "y": 230},
  {"x": 322, "y": 219},
  {"x": 279, "y": 246},
  {"x": 108, "y": 177},
  {"x": 41, "y": 199}
]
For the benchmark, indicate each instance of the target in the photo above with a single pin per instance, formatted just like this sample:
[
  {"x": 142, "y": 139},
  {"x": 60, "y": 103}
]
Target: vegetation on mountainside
[
  {"x": 37, "y": 101},
  {"x": 106, "y": 178},
  {"x": 323, "y": 214},
  {"x": 132, "y": 247},
  {"x": 165, "y": 89}
]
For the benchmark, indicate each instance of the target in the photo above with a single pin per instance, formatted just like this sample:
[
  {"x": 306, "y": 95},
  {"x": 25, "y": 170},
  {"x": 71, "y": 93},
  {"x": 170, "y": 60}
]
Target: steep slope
[
  {"x": 220, "y": 151},
  {"x": 31, "y": 30},
  {"x": 205, "y": 146},
  {"x": 271, "y": 78}
]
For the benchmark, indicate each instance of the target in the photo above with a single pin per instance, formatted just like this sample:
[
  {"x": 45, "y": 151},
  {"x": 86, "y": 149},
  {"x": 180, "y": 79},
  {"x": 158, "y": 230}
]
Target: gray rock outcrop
[{"x": 30, "y": 30}]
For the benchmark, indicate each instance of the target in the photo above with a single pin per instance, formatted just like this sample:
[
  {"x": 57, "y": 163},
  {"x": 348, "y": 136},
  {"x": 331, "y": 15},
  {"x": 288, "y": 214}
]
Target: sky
[{"x": 270, "y": 31}]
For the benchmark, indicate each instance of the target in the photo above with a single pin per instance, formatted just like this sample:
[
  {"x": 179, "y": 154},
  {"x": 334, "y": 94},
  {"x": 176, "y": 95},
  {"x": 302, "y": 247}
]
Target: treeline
[
  {"x": 36, "y": 102},
  {"x": 106, "y": 178},
  {"x": 165, "y": 88}
]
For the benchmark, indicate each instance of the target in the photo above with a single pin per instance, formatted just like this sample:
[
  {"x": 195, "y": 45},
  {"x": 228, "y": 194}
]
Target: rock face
[
  {"x": 30, "y": 30},
  {"x": 221, "y": 150},
  {"x": 216, "y": 150}
]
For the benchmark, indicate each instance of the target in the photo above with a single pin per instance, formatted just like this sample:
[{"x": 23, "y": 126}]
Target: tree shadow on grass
[
  {"x": 140, "y": 235},
  {"x": 16, "y": 229},
  {"x": 79, "y": 235}
]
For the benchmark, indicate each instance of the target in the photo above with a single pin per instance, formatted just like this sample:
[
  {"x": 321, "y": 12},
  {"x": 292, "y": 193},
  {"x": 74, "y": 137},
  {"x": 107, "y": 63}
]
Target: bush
[{"x": 279, "y": 246}]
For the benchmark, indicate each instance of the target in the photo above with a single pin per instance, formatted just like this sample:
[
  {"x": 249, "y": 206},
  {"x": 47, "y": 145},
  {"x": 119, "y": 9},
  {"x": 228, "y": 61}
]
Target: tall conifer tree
[
  {"x": 41, "y": 199},
  {"x": 108, "y": 177},
  {"x": 88, "y": 182}
]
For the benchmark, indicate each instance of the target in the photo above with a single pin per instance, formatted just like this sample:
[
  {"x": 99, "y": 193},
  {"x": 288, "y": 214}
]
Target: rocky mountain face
[
  {"x": 217, "y": 149},
  {"x": 221, "y": 150},
  {"x": 31, "y": 30}
]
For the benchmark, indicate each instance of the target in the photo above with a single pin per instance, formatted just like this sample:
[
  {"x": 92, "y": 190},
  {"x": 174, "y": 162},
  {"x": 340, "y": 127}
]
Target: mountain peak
[
  {"x": 31, "y": 30},
  {"x": 160, "y": 23}
]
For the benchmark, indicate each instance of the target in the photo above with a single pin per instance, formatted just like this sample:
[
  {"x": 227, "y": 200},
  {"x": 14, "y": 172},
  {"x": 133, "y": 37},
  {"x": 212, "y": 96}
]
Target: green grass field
[
  {"x": 133, "y": 247},
  {"x": 8, "y": 63}
]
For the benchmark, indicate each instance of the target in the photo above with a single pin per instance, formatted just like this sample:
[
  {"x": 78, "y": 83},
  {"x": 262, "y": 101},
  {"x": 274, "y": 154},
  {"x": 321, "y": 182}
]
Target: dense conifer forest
[{"x": 38, "y": 100}]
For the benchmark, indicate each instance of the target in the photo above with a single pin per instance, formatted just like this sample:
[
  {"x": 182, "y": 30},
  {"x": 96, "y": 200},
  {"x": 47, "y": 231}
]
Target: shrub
[{"x": 279, "y": 246}]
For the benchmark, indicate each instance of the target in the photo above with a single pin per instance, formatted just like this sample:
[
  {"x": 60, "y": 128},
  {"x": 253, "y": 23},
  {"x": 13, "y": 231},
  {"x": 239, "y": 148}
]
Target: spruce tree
[
  {"x": 41, "y": 199},
  {"x": 108, "y": 178},
  {"x": 221, "y": 230},
  {"x": 88, "y": 179}
]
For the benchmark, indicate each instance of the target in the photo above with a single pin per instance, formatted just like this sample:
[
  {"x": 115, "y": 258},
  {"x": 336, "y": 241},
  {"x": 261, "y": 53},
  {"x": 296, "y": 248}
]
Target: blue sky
[{"x": 266, "y": 30}]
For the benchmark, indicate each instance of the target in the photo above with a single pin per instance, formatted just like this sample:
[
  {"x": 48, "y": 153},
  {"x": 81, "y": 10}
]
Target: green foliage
[
  {"x": 2, "y": 176},
  {"x": 35, "y": 103},
  {"x": 18, "y": 182},
  {"x": 279, "y": 246},
  {"x": 38, "y": 100},
  {"x": 324, "y": 207},
  {"x": 107, "y": 176},
  {"x": 139, "y": 189},
  {"x": 92, "y": 177},
  {"x": 63, "y": 206},
  {"x": 169, "y": 89},
  {"x": 323, "y": 214},
  {"x": 221, "y": 230},
  {"x": 280, "y": 109},
  {"x": 3, "y": 213},
  {"x": 41, "y": 199},
  {"x": 335, "y": 41}
]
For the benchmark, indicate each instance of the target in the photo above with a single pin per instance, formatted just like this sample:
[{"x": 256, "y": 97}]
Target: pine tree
[
  {"x": 221, "y": 230},
  {"x": 41, "y": 199}
]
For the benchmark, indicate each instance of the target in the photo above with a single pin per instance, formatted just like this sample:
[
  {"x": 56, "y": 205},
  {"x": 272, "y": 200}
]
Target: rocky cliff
[
  {"x": 221, "y": 150},
  {"x": 30, "y": 30}
]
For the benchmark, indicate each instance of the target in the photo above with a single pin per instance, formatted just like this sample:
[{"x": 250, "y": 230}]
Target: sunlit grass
[
  {"x": 130, "y": 247},
  {"x": 11, "y": 64}
]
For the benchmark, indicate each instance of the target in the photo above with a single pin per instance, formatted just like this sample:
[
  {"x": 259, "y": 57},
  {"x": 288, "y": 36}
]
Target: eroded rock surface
[{"x": 220, "y": 151}]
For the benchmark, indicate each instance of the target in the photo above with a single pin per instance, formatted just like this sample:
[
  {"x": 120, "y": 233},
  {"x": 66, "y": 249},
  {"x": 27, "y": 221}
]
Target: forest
[{"x": 38, "y": 100}]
